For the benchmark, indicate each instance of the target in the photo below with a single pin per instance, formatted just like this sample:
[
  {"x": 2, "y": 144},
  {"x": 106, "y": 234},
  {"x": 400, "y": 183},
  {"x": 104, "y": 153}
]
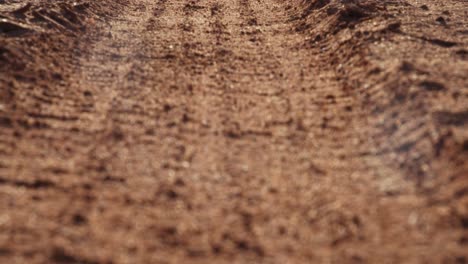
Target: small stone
[
  {"x": 413, "y": 219},
  {"x": 245, "y": 168}
]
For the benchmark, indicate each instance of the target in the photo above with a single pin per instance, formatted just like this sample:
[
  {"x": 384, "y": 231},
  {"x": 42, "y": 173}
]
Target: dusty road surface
[{"x": 234, "y": 131}]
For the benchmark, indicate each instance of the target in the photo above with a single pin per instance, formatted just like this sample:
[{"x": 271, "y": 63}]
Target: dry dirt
[{"x": 234, "y": 131}]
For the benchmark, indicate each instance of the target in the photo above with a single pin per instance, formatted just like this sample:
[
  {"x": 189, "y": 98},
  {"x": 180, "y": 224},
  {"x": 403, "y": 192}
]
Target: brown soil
[{"x": 234, "y": 131}]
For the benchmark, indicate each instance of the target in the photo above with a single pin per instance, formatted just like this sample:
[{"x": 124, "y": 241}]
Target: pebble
[{"x": 413, "y": 219}]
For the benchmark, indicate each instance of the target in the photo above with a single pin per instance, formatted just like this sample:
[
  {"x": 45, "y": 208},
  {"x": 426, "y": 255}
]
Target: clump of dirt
[
  {"x": 41, "y": 23},
  {"x": 335, "y": 15},
  {"x": 39, "y": 40},
  {"x": 66, "y": 16}
]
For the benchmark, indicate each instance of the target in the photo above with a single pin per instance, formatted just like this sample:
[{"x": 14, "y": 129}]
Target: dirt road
[{"x": 234, "y": 131}]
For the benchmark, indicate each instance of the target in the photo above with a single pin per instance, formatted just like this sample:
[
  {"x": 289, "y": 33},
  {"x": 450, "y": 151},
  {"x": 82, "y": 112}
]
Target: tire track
[{"x": 224, "y": 131}]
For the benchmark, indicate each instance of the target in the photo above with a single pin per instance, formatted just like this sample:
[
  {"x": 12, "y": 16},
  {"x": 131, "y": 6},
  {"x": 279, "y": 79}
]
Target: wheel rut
[{"x": 234, "y": 131}]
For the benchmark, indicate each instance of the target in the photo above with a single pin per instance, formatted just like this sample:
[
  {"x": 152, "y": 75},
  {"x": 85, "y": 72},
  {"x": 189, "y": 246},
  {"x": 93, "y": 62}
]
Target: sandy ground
[{"x": 234, "y": 131}]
